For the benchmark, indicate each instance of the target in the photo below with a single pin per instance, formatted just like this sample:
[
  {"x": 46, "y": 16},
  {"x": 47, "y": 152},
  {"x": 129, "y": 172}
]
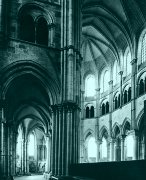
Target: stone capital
[
  {"x": 48, "y": 135},
  {"x": 123, "y": 136},
  {"x": 120, "y": 73},
  {"x": 83, "y": 92},
  {"x": 133, "y": 61},
  {"x": 97, "y": 89},
  {"x": 110, "y": 82},
  {"x": 133, "y": 132}
]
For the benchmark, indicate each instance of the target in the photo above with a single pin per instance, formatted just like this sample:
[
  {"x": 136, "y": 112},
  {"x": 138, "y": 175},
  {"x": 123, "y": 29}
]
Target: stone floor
[{"x": 32, "y": 177}]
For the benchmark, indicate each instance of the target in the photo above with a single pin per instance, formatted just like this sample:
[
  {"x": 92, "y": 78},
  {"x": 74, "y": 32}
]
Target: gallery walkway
[{"x": 32, "y": 177}]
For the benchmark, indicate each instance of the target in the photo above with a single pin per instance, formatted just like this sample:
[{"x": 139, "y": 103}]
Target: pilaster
[
  {"x": 133, "y": 93},
  {"x": 145, "y": 129},
  {"x": 48, "y": 161},
  {"x": 122, "y": 147},
  {"x": 110, "y": 106},
  {"x": 121, "y": 91},
  {"x": 3, "y": 16}
]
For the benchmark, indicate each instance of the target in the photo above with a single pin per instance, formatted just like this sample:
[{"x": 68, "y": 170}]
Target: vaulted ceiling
[{"x": 109, "y": 27}]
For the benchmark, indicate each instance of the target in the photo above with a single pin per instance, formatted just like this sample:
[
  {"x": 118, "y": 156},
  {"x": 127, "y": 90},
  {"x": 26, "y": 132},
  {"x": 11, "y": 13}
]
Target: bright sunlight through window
[
  {"x": 92, "y": 148},
  {"x": 90, "y": 86},
  {"x": 104, "y": 148},
  {"x": 130, "y": 146},
  {"x": 31, "y": 145}
]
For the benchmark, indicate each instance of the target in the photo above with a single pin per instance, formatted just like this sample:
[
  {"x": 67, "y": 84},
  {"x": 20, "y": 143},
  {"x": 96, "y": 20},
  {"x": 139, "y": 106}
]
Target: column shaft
[
  {"x": 122, "y": 148},
  {"x": 2, "y": 22},
  {"x": 133, "y": 93},
  {"x": 145, "y": 129}
]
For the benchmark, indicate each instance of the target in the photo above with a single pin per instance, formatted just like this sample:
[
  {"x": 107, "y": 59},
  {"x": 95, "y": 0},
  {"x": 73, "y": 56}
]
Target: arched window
[
  {"x": 119, "y": 100},
  {"x": 127, "y": 62},
  {"x": 87, "y": 112},
  {"x": 115, "y": 73},
  {"x": 141, "y": 87},
  {"x": 107, "y": 107},
  {"x": 92, "y": 150},
  {"x": 103, "y": 109},
  {"x": 129, "y": 94},
  {"x": 92, "y": 112},
  {"x": 106, "y": 79},
  {"x": 42, "y": 32},
  {"x": 90, "y": 86},
  {"x": 116, "y": 103},
  {"x": 27, "y": 29},
  {"x": 143, "y": 50},
  {"x": 125, "y": 97}
]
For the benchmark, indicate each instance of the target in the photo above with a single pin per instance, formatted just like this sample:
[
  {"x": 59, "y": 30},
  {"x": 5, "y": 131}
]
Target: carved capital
[
  {"x": 110, "y": 82},
  {"x": 133, "y": 61},
  {"x": 70, "y": 106},
  {"x": 120, "y": 73},
  {"x": 97, "y": 90}
]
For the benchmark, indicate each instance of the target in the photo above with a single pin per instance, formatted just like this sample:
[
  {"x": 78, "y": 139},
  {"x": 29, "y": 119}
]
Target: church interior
[{"x": 73, "y": 89}]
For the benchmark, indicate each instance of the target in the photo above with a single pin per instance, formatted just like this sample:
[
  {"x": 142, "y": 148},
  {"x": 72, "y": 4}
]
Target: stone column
[
  {"x": 70, "y": 92},
  {"x": 83, "y": 113},
  {"x": 97, "y": 114},
  {"x": 135, "y": 145},
  {"x": 145, "y": 129},
  {"x": 3, "y": 141},
  {"x": 115, "y": 150},
  {"x": 121, "y": 91},
  {"x": 110, "y": 107},
  {"x": 53, "y": 140},
  {"x": 14, "y": 152},
  {"x": 122, "y": 148},
  {"x": 10, "y": 144},
  {"x": 26, "y": 157},
  {"x": 133, "y": 93},
  {"x": 2, "y": 22},
  {"x": 111, "y": 149},
  {"x": 23, "y": 155},
  {"x": 48, "y": 142},
  {"x": 110, "y": 119}
]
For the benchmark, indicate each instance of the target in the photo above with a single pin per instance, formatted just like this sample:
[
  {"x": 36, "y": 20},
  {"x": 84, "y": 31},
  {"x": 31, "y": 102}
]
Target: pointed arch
[
  {"x": 116, "y": 128},
  {"x": 126, "y": 126},
  {"x": 88, "y": 133},
  {"x": 103, "y": 132},
  {"x": 139, "y": 118}
]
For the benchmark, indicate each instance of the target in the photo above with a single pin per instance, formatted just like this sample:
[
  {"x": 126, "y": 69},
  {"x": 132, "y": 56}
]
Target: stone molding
[{"x": 66, "y": 106}]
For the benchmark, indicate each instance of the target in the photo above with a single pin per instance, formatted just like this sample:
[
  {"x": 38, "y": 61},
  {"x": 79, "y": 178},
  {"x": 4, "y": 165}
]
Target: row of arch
[
  {"x": 105, "y": 104},
  {"x": 122, "y": 140},
  {"x": 36, "y": 24}
]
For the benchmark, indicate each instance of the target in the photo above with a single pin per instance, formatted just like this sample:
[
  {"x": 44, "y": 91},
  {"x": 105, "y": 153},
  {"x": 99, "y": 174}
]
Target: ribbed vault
[{"x": 108, "y": 29}]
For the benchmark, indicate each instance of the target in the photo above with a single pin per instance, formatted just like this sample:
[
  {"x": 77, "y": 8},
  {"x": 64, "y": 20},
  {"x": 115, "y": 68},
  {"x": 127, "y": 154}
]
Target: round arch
[{"x": 11, "y": 72}]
